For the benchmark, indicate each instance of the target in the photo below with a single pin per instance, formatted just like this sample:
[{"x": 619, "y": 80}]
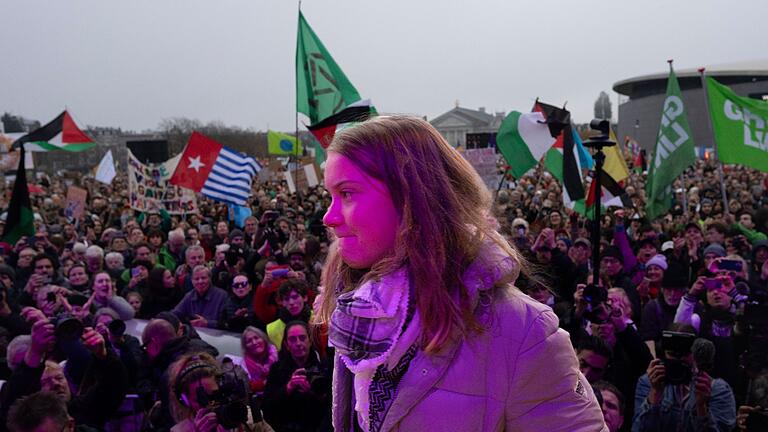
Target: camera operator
[
  {"x": 205, "y": 398},
  {"x": 102, "y": 387},
  {"x": 297, "y": 396},
  {"x": 678, "y": 393}
]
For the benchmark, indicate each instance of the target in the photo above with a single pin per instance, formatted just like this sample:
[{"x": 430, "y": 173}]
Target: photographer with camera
[
  {"x": 297, "y": 396},
  {"x": 678, "y": 392},
  {"x": 710, "y": 306},
  {"x": 206, "y": 398},
  {"x": 103, "y": 383},
  {"x": 265, "y": 301}
]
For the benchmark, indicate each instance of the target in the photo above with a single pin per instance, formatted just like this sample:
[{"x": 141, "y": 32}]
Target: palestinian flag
[
  {"x": 20, "y": 218},
  {"x": 60, "y": 134},
  {"x": 613, "y": 193},
  {"x": 563, "y": 158},
  {"x": 325, "y": 130},
  {"x": 523, "y": 139}
]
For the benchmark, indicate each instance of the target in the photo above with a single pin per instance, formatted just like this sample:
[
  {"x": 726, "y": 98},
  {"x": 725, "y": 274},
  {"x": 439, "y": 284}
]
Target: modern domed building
[{"x": 639, "y": 116}]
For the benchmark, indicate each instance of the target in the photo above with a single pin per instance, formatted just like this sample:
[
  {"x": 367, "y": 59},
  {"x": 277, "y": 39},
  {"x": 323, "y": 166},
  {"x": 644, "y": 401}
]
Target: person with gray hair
[
  {"x": 94, "y": 259},
  {"x": 193, "y": 256},
  {"x": 172, "y": 254},
  {"x": 17, "y": 349},
  {"x": 205, "y": 304}
]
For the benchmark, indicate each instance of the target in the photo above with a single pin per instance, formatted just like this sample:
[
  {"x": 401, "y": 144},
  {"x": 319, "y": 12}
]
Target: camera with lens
[
  {"x": 319, "y": 381},
  {"x": 233, "y": 255},
  {"x": 66, "y": 326},
  {"x": 597, "y": 309},
  {"x": 231, "y": 401},
  {"x": 679, "y": 344}
]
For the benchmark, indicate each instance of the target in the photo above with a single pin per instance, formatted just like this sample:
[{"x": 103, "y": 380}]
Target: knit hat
[
  {"x": 758, "y": 244},
  {"x": 235, "y": 233},
  {"x": 675, "y": 277},
  {"x": 612, "y": 252},
  {"x": 658, "y": 260},
  {"x": 519, "y": 221},
  {"x": 8, "y": 270},
  {"x": 716, "y": 249},
  {"x": 583, "y": 241}
]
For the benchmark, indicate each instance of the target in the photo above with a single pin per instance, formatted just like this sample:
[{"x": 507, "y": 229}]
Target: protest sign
[
  {"x": 75, "y": 206},
  {"x": 484, "y": 162},
  {"x": 150, "y": 189}
]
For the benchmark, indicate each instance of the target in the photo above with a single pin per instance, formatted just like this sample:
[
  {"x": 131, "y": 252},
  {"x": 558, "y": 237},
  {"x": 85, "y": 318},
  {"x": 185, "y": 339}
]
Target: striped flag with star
[{"x": 215, "y": 171}]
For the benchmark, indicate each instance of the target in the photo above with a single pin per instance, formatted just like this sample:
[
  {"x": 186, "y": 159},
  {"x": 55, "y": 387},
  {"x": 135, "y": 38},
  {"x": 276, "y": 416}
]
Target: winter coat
[{"x": 520, "y": 374}]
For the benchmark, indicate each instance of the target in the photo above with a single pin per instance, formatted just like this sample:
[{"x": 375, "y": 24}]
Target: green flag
[
  {"x": 740, "y": 126},
  {"x": 282, "y": 144},
  {"x": 674, "y": 151},
  {"x": 322, "y": 89},
  {"x": 19, "y": 221}
]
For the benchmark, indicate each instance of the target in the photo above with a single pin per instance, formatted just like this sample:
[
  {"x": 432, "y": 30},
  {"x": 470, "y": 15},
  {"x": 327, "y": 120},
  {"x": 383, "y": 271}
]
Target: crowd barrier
[{"x": 225, "y": 342}]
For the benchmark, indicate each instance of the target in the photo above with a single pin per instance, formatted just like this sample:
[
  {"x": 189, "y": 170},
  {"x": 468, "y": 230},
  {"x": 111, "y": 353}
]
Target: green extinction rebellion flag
[
  {"x": 674, "y": 151},
  {"x": 740, "y": 126},
  {"x": 322, "y": 89}
]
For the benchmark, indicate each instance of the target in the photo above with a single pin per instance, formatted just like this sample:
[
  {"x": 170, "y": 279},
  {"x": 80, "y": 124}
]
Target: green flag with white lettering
[
  {"x": 674, "y": 151},
  {"x": 740, "y": 125},
  {"x": 322, "y": 89}
]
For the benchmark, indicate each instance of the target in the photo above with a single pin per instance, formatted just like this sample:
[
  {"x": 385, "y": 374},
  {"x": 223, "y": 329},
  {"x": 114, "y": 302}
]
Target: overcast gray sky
[{"x": 132, "y": 63}]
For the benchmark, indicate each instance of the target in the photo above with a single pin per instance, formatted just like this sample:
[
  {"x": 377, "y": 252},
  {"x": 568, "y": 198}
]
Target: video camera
[
  {"x": 679, "y": 344},
  {"x": 231, "y": 401},
  {"x": 319, "y": 380},
  {"x": 66, "y": 326}
]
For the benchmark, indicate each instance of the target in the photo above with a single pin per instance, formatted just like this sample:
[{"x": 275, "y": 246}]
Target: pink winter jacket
[{"x": 521, "y": 374}]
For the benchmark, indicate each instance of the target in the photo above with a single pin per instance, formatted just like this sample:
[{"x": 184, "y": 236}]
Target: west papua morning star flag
[{"x": 215, "y": 171}]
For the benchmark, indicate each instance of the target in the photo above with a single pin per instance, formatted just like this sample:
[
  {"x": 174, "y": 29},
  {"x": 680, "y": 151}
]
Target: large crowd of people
[{"x": 671, "y": 336}]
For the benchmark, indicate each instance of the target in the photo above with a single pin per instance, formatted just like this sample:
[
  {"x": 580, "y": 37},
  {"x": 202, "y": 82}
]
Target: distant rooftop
[{"x": 755, "y": 68}]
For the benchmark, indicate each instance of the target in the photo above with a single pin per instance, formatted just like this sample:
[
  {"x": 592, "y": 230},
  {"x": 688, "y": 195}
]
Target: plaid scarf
[
  {"x": 367, "y": 326},
  {"x": 367, "y": 330},
  {"x": 368, "y": 321}
]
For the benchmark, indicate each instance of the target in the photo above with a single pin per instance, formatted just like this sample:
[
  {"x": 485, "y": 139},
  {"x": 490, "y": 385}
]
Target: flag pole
[
  {"x": 296, "y": 122},
  {"x": 714, "y": 146},
  {"x": 683, "y": 176}
]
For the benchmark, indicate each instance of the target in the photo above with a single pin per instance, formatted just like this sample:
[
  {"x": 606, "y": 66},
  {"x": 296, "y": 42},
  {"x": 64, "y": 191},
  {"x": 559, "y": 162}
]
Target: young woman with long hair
[{"x": 429, "y": 330}]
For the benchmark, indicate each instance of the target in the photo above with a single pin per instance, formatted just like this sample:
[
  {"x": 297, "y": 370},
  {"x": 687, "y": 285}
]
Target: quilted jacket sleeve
[{"x": 547, "y": 391}]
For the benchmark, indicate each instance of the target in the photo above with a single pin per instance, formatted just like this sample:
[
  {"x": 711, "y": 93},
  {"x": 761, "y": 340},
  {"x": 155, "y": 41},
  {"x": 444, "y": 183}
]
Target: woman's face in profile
[{"x": 362, "y": 215}]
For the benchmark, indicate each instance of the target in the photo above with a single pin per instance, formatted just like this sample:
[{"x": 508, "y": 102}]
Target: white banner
[{"x": 150, "y": 190}]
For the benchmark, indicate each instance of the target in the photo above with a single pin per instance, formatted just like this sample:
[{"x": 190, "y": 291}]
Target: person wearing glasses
[{"x": 238, "y": 312}]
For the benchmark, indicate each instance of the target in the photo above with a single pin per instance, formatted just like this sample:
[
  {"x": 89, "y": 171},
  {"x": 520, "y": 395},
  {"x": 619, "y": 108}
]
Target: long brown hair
[{"x": 444, "y": 209}]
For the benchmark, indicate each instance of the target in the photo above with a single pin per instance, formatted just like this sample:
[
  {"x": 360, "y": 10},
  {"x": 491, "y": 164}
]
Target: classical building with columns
[{"x": 468, "y": 128}]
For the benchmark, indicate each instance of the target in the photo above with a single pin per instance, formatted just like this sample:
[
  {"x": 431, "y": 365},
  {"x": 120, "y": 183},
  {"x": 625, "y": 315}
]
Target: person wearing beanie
[
  {"x": 654, "y": 273},
  {"x": 236, "y": 238},
  {"x": 659, "y": 312},
  {"x": 612, "y": 269}
]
